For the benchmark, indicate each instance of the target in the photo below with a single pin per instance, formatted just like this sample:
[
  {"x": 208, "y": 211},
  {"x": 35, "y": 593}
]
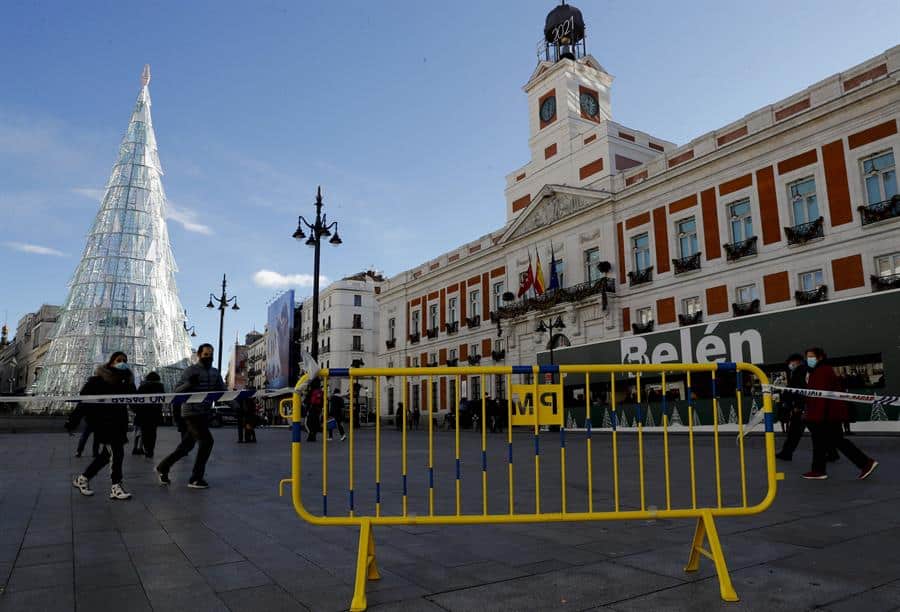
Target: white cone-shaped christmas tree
[{"x": 122, "y": 296}]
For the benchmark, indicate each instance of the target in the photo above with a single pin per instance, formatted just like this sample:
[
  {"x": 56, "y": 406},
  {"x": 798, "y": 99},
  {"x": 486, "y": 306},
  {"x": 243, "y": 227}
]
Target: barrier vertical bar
[
  {"x": 740, "y": 415},
  {"x": 324, "y": 446},
  {"x": 587, "y": 425},
  {"x": 430, "y": 446},
  {"x": 562, "y": 458},
  {"x": 715, "y": 395},
  {"x": 665, "y": 420},
  {"x": 691, "y": 441},
  {"x": 615, "y": 447},
  {"x": 406, "y": 408},
  {"x": 456, "y": 423},
  {"x": 340, "y": 416},
  {"x": 484, "y": 499},
  {"x": 378, "y": 446},
  {"x": 537, "y": 440},
  {"x": 640, "y": 428},
  {"x": 509, "y": 443}
]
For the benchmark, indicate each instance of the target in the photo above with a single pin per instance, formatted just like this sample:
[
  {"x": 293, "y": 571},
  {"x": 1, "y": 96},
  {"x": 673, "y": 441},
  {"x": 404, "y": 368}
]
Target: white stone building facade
[{"x": 789, "y": 207}]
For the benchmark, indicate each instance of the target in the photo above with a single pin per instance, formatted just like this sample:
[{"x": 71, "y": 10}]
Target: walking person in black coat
[
  {"x": 149, "y": 416},
  {"x": 201, "y": 376},
  {"x": 336, "y": 412},
  {"x": 108, "y": 421}
]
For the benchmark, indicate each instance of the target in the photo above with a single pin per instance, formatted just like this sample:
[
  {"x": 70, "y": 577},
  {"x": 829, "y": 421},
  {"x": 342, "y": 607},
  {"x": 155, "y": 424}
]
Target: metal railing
[
  {"x": 530, "y": 406},
  {"x": 740, "y": 249}
]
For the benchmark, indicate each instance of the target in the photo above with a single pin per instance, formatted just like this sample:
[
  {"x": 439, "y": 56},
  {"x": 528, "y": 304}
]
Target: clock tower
[{"x": 572, "y": 138}]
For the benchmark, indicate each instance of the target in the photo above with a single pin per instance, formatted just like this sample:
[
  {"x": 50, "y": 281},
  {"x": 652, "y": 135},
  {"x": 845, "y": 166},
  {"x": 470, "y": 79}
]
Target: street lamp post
[
  {"x": 317, "y": 230},
  {"x": 223, "y": 301},
  {"x": 550, "y": 325},
  {"x": 192, "y": 330}
]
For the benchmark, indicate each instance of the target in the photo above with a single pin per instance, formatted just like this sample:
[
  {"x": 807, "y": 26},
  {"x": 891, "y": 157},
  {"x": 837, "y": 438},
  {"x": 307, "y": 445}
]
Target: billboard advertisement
[{"x": 278, "y": 340}]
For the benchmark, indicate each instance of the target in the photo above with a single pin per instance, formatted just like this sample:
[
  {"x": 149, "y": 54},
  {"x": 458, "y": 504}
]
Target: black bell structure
[{"x": 564, "y": 34}]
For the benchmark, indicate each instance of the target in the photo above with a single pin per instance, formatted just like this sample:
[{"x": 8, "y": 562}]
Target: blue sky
[{"x": 408, "y": 114}]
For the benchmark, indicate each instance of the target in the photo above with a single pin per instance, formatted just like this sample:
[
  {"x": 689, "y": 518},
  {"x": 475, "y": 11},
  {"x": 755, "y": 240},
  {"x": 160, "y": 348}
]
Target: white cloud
[
  {"x": 187, "y": 218},
  {"x": 89, "y": 192},
  {"x": 269, "y": 278},
  {"x": 34, "y": 249}
]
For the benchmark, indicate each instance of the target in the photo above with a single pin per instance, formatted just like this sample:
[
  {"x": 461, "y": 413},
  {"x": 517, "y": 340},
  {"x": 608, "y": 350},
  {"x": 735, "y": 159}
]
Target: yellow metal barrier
[{"x": 541, "y": 399}]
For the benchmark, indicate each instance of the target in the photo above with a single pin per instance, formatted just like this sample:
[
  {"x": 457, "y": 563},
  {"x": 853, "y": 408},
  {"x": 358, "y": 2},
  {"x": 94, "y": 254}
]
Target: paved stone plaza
[{"x": 238, "y": 546}]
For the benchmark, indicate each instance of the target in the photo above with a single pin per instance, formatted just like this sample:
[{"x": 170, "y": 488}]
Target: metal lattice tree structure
[{"x": 122, "y": 296}]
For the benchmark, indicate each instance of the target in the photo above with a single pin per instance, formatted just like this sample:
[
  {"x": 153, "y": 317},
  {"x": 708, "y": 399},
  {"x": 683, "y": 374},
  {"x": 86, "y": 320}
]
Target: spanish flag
[
  {"x": 528, "y": 281},
  {"x": 538, "y": 277}
]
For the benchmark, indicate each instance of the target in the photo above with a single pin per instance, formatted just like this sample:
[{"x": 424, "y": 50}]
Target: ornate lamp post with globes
[
  {"x": 321, "y": 228},
  {"x": 223, "y": 301}
]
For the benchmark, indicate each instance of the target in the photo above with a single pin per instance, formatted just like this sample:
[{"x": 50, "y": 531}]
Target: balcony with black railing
[
  {"x": 498, "y": 355},
  {"x": 414, "y": 338},
  {"x": 819, "y": 294},
  {"x": 880, "y": 211},
  {"x": 642, "y": 328},
  {"x": 452, "y": 363},
  {"x": 690, "y": 319},
  {"x": 473, "y": 321},
  {"x": 687, "y": 264},
  {"x": 555, "y": 297},
  {"x": 639, "y": 277},
  {"x": 389, "y": 344},
  {"x": 740, "y": 309},
  {"x": 432, "y": 333},
  {"x": 452, "y": 327},
  {"x": 803, "y": 233},
  {"x": 474, "y": 359},
  {"x": 884, "y": 283},
  {"x": 741, "y": 249}
]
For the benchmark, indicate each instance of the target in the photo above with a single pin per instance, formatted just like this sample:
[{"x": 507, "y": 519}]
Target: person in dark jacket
[
  {"x": 825, "y": 417},
  {"x": 148, "y": 417},
  {"x": 791, "y": 409},
  {"x": 246, "y": 419},
  {"x": 109, "y": 422},
  {"x": 201, "y": 376},
  {"x": 336, "y": 412}
]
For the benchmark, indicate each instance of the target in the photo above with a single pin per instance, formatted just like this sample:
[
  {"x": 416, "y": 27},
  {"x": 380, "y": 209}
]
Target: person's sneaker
[
  {"x": 82, "y": 484},
  {"x": 343, "y": 437},
  {"x": 815, "y": 476},
  {"x": 118, "y": 492},
  {"x": 163, "y": 478},
  {"x": 783, "y": 456},
  {"x": 198, "y": 484},
  {"x": 870, "y": 467}
]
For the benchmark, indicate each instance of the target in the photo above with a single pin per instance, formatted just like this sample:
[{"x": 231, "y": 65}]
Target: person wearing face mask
[
  {"x": 825, "y": 417},
  {"x": 108, "y": 421},
  {"x": 792, "y": 405},
  {"x": 201, "y": 376}
]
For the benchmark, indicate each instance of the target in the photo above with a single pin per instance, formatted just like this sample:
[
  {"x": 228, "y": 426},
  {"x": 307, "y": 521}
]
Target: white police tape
[
  {"x": 862, "y": 398},
  {"x": 155, "y": 398}
]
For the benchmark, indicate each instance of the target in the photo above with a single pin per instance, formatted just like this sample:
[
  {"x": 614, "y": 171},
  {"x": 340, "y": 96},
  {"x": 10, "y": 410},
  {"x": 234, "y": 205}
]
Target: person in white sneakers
[{"x": 109, "y": 422}]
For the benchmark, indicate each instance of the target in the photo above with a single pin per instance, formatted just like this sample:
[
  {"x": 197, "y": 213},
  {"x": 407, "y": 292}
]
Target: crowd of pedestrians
[{"x": 108, "y": 423}]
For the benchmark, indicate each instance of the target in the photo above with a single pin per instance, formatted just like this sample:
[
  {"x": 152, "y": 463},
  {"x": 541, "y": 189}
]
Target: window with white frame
[
  {"x": 451, "y": 310},
  {"x": 812, "y": 280},
  {"x": 432, "y": 358},
  {"x": 888, "y": 265},
  {"x": 591, "y": 260},
  {"x": 433, "y": 316},
  {"x": 473, "y": 349},
  {"x": 474, "y": 303},
  {"x": 644, "y": 315},
  {"x": 640, "y": 246},
  {"x": 415, "y": 320},
  {"x": 804, "y": 205},
  {"x": 392, "y": 328},
  {"x": 451, "y": 354},
  {"x": 691, "y": 305},
  {"x": 498, "y": 344},
  {"x": 746, "y": 294},
  {"x": 880, "y": 176},
  {"x": 687, "y": 237},
  {"x": 357, "y": 300},
  {"x": 415, "y": 362},
  {"x": 740, "y": 220},
  {"x": 498, "y": 295}
]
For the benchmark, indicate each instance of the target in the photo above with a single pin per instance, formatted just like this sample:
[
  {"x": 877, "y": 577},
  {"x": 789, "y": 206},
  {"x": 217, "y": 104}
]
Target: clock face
[
  {"x": 548, "y": 109},
  {"x": 589, "y": 105}
]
